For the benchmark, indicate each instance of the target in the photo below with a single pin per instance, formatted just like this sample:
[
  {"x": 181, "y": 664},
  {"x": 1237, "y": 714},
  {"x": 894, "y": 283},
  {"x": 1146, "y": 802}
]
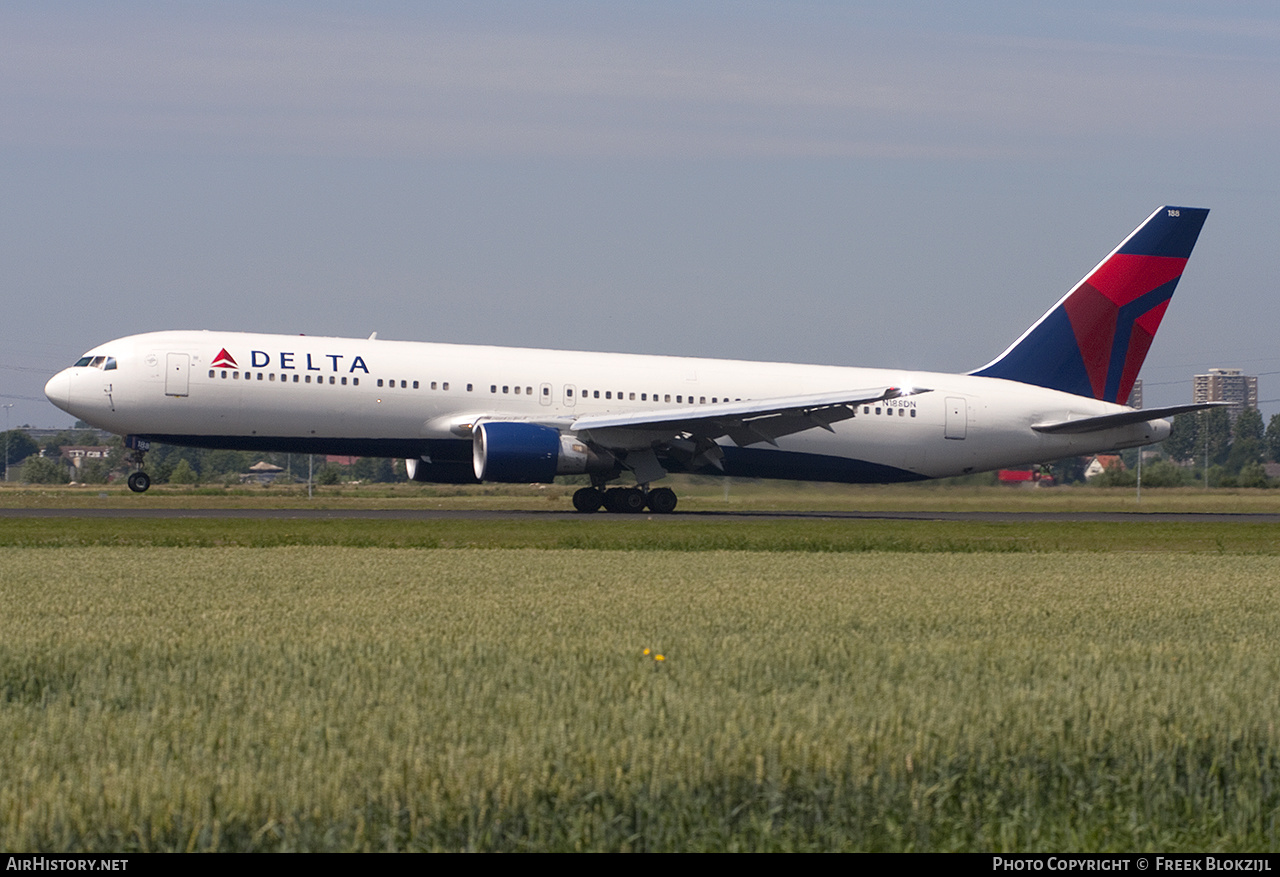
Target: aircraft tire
[
  {"x": 587, "y": 500},
  {"x": 631, "y": 501},
  {"x": 624, "y": 500},
  {"x": 662, "y": 501},
  {"x": 139, "y": 482}
]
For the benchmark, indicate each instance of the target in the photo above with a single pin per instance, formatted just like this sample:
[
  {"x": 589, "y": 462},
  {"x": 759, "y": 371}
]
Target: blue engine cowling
[
  {"x": 515, "y": 452},
  {"x": 524, "y": 453}
]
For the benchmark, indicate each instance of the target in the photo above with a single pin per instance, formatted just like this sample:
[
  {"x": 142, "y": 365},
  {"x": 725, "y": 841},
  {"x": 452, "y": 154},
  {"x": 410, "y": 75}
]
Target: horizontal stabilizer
[{"x": 1124, "y": 418}]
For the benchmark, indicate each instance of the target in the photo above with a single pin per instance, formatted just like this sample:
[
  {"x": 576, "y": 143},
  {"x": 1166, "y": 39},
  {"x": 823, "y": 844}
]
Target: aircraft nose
[{"x": 59, "y": 389}]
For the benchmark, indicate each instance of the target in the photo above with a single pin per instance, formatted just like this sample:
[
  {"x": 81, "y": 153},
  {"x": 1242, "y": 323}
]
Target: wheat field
[{"x": 367, "y": 698}]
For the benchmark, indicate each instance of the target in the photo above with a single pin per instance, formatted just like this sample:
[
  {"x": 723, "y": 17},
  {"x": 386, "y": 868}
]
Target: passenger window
[
  {"x": 308, "y": 380},
  {"x": 608, "y": 394},
  {"x": 295, "y": 379},
  {"x": 404, "y": 385},
  {"x": 344, "y": 382},
  {"x": 210, "y": 372},
  {"x": 446, "y": 385},
  {"x": 506, "y": 388},
  {"x": 596, "y": 395},
  {"x": 517, "y": 391},
  {"x": 679, "y": 398},
  {"x": 415, "y": 385},
  {"x": 433, "y": 385},
  {"x": 355, "y": 382},
  {"x": 666, "y": 398},
  {"x": 379, "y": 382},
  {"x": 493, "y": 388}
]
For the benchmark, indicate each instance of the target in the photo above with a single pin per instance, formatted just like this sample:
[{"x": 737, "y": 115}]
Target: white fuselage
[{"x": 406, "y": 399}]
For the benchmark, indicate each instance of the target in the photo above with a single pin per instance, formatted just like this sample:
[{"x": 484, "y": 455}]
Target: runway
[{"x": 728, "y": 517}]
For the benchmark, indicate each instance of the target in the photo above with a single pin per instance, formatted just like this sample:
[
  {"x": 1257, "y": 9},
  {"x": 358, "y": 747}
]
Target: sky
[{"x": 898, "y": 185}]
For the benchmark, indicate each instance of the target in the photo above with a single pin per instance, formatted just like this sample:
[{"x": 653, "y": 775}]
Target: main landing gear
[{"x": 625, "y": 500}]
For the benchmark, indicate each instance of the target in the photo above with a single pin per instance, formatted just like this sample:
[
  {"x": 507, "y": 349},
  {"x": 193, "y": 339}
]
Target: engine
[
  {"x": 521, "y": 453},
  {"x": 439, "y": 471}
]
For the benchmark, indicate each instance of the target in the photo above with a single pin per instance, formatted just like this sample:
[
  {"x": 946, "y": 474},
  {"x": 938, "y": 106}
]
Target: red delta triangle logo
[{"x": 224, "y": 358}]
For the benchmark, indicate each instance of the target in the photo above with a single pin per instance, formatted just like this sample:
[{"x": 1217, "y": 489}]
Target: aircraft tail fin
[{"x": 1093, "y": 341}]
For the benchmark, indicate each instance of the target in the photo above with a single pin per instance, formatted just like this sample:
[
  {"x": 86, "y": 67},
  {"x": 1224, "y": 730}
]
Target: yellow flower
[
  {"x": 659, "y": 658},
  {"x": 646, "y": 651}
]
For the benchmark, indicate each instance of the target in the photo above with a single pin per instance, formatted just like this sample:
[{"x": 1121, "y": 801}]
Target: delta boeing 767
[{"x": 463, "y": 413}]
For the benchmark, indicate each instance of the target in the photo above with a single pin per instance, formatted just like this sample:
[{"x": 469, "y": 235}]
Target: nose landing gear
[{"x": 138, "y": 481}]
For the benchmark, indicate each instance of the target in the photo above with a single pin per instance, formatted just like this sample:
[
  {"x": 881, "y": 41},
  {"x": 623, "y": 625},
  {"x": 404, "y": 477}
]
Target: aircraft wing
[
  {"x": 1124, "y": 418},
  {"x": 745, "y": 423}
]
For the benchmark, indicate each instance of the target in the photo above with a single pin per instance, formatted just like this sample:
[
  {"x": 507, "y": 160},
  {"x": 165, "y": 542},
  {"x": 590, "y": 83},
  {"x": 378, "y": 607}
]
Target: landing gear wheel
[
  {"x": 139, "y": 482},
  {"x": 624, "y": 500},
  {"x": 662, "y": 501},
  {"x": 588, "y": 500}
]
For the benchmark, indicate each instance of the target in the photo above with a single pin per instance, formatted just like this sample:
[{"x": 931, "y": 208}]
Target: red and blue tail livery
[{"x": 1092, "y": 342}]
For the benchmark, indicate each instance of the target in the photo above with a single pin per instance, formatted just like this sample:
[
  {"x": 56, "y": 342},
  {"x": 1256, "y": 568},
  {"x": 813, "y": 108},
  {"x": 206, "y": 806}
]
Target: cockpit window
[{"x": 106, "y": 363}]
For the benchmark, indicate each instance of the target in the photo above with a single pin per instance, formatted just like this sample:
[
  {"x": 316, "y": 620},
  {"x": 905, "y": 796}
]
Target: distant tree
[
  {"x": 1273, "y": 439},
  {"x": 20, "y": 445},
  {"x": 1248, "y": 426},
  {"x": 1253, "y": 475},
  {"x": 218, "y": 464},
  {"x": 42, "y": 470},
  {"x": 329, "y": 473},
  {"x": 1181, "y": 443},
  {"x": 373, "y": 469},
  {"x": 1215, "y": 432},
  {"x": 183, "y": 474},
  {"x": 1162, "y": 473},
  {"x": 93, "y": 472}
]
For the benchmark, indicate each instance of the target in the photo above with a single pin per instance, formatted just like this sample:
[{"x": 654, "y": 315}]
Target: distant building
[
  {"x": 75, "y": 456},
  {"x": 1227, "y": 385},
  {"x": 262, "y": 472},
  {"x": 1135, "y": 395},
  {"x": 1101, "y": 463}
]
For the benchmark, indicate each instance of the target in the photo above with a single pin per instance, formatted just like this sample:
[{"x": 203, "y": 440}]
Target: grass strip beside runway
[{"x": 649, "y": 534}]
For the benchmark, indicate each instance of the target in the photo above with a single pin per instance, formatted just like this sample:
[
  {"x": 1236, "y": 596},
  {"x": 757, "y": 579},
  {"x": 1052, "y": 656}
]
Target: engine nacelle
[
  {"x": 523, "y": 453},
  {"x": 439, "y": 471}
]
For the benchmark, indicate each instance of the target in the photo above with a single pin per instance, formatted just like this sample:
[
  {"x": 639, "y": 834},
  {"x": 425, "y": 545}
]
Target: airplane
[{"x": 467, "y": 413}]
